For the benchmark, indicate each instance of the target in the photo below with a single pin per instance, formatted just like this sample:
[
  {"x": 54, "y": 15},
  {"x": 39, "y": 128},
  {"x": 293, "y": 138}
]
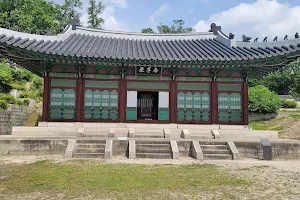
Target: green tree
[
  {"x": 69, "y": 10},
  {"x": 147, "y": 30},
  {"x": 32, "y": 16},
  {"x": 5, "y": 77},
  {"x": 262, "y": 100},
  {"x": 93, "y": 14},
  {"x": 177, "y": 26}
]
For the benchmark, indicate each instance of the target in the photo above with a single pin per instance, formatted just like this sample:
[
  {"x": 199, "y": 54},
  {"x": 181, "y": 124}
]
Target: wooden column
[
  {"x": 46, "y": 100},
  {"x": 245, "y": 103},
  {"x": 214, "y": 102},
  {"x": 122, "y": 100},
  {"x": 79, "y": 99},
  {"x": 173, "y": 101}
]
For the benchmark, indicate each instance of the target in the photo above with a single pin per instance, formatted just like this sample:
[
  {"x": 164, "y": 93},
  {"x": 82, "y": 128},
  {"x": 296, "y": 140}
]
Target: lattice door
[
  {"x": 101, "y": 104},
  {"x": 229, "y": 107},
  {"x": 193, "y": 106}
]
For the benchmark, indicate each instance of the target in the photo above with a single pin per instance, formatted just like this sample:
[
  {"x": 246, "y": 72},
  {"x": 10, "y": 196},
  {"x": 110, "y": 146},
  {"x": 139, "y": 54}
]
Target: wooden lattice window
[{"x": 62, "y": 103}]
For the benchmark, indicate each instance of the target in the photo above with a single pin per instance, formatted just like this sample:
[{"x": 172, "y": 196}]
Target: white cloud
[
  {"x": 259, "y": 19},
  {"x": 120, "y": 3},
  {"x": 110, "y": 21},
  {"x": 163, "y": 8}
]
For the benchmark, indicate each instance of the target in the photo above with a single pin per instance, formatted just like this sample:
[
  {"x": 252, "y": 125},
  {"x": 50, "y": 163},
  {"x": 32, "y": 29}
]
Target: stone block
[
  {"x": 60, "y": 124},
  {"x": 175, "y": 150},
  {"x": 43, "y": 124},
  {"x": 216, "y": 134},
  {"x": 80, "y": 132},
  {"x": 132, "y": 149},
  {"x": 121, "y": 125},
  {"x": 185, "y": 133},
  {"x": 70, "y": 148},
  {"x": 167, "y": 133},
  {"x": 108, "y": 149},
  {"x": 112, "y": 132},
  {"x": 196, "y": 151},
  {"x": 234, "y": 151},
  {"x": 131, "y": 132}
]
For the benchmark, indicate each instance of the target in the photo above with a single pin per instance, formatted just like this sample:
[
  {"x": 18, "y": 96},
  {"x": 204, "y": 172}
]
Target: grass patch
[
  {"x": 125, "y": 181},
  {"x": 276, "y": 124}
]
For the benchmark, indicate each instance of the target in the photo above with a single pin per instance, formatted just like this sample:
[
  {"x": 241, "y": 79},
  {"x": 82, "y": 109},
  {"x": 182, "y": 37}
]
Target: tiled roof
[{"x": 84, "y": 42}]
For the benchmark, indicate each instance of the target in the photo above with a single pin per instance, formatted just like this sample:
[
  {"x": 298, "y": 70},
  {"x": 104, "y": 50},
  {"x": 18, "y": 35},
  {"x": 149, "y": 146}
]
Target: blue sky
[{"x": 255, "y": 18}]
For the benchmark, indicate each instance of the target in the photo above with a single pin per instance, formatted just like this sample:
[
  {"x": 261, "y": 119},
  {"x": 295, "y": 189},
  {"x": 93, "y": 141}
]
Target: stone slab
[
  {"x": 216, "y": 134},
  {"x": 234, "y": 135},
  {"x": 175, "y": 150},
  {"x": 100, "y": 125},
  {"x": 235, "y": 127},
  {"x": 108, "y": 149},
  {"x": 43, "y": 124},
  {"x": 60, "y": 124},
  {"x": 70, "y": 148},
  {"x": 147, "y": 126},
  {"x": 112, "y": 132},
  {"x": 132, "y": 149},
  {"x": 234, "y": 151},
  {"x": 185, "y": 133},
  {"x": 196, "y": 150},
  {"x": 167, "y": 133}
]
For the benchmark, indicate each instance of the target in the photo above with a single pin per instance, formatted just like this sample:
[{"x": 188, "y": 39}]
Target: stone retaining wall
[{"x": 15, "y": 115}]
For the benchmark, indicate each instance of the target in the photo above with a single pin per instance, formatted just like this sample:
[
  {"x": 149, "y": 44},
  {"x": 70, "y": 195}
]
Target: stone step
[
  {"x": 214, "y": 147},
  {"x": 153, "y": 151},
  {"x": 88, "y": 155},
  {"x": 215, "y": 151},
  {"x": 154, "y": 155},
  {"x": 148, "y": 136},
  {"x": 92, "y": 141},
  {"x": 202, "y": 137},
  {"x": 211, "y": 143},
  {"x": 89, "y": 150},
  {"x": 89, "y": 145},
  {"x": 153, "y": 146},
  {"x": 152, "y": 142},
  {"x": 217, "y": 157}
]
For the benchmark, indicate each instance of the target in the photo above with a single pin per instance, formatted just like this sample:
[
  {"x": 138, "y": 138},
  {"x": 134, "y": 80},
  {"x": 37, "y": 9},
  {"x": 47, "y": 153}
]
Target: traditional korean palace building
[{"x": 106, "y": 76}]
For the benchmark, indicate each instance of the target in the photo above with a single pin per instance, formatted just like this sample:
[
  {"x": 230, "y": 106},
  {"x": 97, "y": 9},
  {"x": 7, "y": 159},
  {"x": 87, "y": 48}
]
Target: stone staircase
[
  {"x": 215, "y": 151},
  {"x": 153, "y": 149},
  {"x": 89, "y": 149}
]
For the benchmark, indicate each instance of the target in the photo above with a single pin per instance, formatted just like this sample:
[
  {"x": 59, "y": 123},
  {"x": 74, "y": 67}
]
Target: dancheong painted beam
[{"x": 107, "y": 76}]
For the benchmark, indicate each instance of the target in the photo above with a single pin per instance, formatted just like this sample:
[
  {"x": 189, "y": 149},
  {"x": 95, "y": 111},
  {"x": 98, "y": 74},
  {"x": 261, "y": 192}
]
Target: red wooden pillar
[
  {"x": 214, "y": 102},
  {"x": 173, "y": 101},
  {"x": 46, "y": 98},
  {"x": 79, "y": 99},
  {"x": 122, "y": 100},
  {"x": 245, "y": 102}
]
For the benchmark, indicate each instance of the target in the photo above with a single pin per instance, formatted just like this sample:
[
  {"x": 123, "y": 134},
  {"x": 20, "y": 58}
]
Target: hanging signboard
[{"x": 148, "y": 70}]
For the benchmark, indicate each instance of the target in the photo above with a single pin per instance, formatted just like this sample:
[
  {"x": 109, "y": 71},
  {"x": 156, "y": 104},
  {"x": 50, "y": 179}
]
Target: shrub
[
  {"x": 288, "y": 104},
  {"x": 19, "y": 102},
  {"x": 8, "y": 98},
  {"x": 26, "y": 102},
  {"x": 26, "y": 95},
  {"x": 3, "y": 104},
  {"x": 17, "y": 86},
  {"x": 262, "y": 100}
]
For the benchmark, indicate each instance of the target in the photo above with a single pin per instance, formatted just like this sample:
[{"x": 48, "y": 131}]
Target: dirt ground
[
  {"x": 291, "y": 131},
  {"x": 278, "y": 179}
]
